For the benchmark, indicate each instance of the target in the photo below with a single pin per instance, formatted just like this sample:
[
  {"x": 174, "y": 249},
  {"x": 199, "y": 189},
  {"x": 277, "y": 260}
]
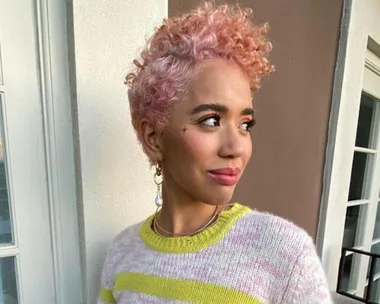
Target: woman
[{"x": 191, "y": 106}]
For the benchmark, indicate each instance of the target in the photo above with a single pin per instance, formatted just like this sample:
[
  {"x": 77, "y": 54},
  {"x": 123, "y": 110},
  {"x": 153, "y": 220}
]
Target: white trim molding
[
  {"x": 372, "y": 62},
  {"x": 51, "y": 16},
  {"x": 1, "y": 68},
  {"x": 360, "y": 31}
]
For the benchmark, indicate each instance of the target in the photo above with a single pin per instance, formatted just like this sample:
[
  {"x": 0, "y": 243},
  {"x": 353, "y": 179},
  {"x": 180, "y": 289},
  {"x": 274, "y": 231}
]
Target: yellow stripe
[
  {"x": 181, "y": 290},
  {"x": 106, "y": 295}
]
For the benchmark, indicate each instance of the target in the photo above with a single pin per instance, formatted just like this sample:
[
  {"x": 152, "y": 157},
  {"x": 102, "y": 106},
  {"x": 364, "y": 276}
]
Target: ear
[{"x": 151, "y": 140}]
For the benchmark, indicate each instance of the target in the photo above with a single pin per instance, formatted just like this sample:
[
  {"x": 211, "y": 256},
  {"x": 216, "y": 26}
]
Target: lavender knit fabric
[{"x": 245, "y": 257}]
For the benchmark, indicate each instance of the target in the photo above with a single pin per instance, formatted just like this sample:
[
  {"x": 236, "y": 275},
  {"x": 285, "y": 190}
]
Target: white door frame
[
  {"x": 362, "y": 20},
  {"x": 52, "y": 27}
]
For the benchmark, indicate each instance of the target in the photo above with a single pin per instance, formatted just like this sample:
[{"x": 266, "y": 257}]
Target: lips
[{"x": 225, "y": 176}]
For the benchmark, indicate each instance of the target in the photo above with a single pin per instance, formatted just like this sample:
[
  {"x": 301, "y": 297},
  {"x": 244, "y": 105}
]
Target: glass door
[
  {"x": 26, "y": 261},
  {"x": 362, "y": 224},
  {"x": 8, "y": 282}
]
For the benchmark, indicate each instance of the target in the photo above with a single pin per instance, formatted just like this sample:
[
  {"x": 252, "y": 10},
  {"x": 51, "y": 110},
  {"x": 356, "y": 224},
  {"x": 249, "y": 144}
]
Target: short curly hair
[{"x": 170, "y": 58}]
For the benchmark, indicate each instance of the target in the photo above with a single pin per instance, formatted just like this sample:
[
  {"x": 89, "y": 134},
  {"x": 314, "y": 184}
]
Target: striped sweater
[{"x": 245, "y": 257}]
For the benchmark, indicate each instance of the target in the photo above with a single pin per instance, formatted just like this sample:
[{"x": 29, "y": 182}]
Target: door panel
[{"x": 26, "y": 257}]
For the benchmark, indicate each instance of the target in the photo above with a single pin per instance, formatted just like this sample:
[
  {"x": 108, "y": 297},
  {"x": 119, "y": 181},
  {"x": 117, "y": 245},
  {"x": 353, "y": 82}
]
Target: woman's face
[{"x": 207, "y": 144}]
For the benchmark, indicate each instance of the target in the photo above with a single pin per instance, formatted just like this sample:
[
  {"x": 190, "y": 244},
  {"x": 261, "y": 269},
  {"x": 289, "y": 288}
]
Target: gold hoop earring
[{"x": 158, "y": 179}]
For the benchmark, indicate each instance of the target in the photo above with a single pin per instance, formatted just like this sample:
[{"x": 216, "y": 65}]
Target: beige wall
[
  {"x": 117, "y": 187},
  {"x": 285, "y": 173}
]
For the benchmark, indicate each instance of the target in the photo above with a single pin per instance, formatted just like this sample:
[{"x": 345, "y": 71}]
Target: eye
[
  {"x": 247, "y": 125},
  {"x": 211, "y": 121}
]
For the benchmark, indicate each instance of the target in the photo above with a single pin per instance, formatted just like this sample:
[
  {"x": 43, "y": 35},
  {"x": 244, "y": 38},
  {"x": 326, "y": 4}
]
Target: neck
[{"x": 182, "y": 215}]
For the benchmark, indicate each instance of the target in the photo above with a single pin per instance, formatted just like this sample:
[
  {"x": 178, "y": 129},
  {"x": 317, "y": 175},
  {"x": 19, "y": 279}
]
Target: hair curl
[{"x": 161, "y": 75}]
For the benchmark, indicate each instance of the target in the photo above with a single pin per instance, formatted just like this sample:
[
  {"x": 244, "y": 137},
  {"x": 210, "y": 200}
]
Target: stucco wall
[{"x": 117, "y": 189}]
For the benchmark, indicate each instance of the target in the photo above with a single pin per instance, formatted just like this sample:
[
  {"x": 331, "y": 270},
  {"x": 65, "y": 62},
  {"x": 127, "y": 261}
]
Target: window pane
[
  {"x": 8, "y": 286},
  {"x": 349, "y": 277},
  {"x": 5, "y": 219},
  {"x": 360, "y": 176},
  {"x": 367, "y": 126},
  {"x": 375, "y": 291},
  {"x": 354, "y": 226},
  {"x": 346, "y": 273},
  {"x": 376, "y": 232},
  {"x": 376, "y": 249}
]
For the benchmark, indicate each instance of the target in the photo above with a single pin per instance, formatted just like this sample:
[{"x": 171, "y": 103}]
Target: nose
[{"x": 231, "y": 142}]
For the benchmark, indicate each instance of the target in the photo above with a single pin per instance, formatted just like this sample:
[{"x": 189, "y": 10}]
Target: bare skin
[{"x": 208, "y": 130}]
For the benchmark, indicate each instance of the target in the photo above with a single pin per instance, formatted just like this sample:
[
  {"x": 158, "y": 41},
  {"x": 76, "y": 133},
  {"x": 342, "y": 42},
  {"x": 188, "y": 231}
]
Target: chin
[{"x": 219, "y": 197}]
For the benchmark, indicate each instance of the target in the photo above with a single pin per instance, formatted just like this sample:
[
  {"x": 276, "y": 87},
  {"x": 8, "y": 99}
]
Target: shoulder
[
  {"x": 120, "y": 245},
  {"x": 123, "y": 242},
  {"x": 289, "y": 249},
  {"x": 275, "y": 233},
  {"x": 276, "y": 226},
  {"x": 126, "y": 236}
]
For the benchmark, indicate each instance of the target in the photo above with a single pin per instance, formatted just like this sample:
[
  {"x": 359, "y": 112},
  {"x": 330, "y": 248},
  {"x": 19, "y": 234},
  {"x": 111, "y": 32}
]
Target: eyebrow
[
  {"x": 219, "y": 108},
  {"x": 210, "y": 107},
  {"x": 248, "y": 111}
]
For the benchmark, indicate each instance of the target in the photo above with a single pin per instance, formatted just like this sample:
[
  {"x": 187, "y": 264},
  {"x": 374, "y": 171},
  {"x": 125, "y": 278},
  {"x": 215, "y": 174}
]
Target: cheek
[
  {"x": 198, "y": 147},
  {"x": 191, "y": 147},
  {"x": 248, "y": 149}
]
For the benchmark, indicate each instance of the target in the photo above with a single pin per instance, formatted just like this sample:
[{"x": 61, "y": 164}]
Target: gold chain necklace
[{"x": 155, "y": 225}]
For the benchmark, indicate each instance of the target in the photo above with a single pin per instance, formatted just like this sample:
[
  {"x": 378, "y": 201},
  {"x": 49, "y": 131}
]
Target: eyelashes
[
  {"x": 213, "y": 120},
  {"x": 249, "y": 124}
]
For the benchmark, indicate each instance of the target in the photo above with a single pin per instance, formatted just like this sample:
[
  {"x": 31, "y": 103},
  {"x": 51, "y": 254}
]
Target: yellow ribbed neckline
[{"x": 202, "y": 240}]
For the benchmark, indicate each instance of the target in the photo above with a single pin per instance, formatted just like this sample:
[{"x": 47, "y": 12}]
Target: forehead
[{"x": 220, "y": 81}]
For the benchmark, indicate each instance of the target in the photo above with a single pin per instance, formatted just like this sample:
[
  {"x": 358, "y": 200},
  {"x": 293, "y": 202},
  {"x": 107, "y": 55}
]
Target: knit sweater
[{"x": 245, "y": 257}]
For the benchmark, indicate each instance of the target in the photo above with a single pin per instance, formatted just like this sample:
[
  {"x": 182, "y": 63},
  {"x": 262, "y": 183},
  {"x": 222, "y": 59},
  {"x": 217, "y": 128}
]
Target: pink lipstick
[{"x": 225, "y": 176}]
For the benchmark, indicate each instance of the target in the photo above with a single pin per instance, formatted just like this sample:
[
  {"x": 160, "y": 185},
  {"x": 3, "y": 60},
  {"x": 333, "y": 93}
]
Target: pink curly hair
[{"x": 170, "y": 58}]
